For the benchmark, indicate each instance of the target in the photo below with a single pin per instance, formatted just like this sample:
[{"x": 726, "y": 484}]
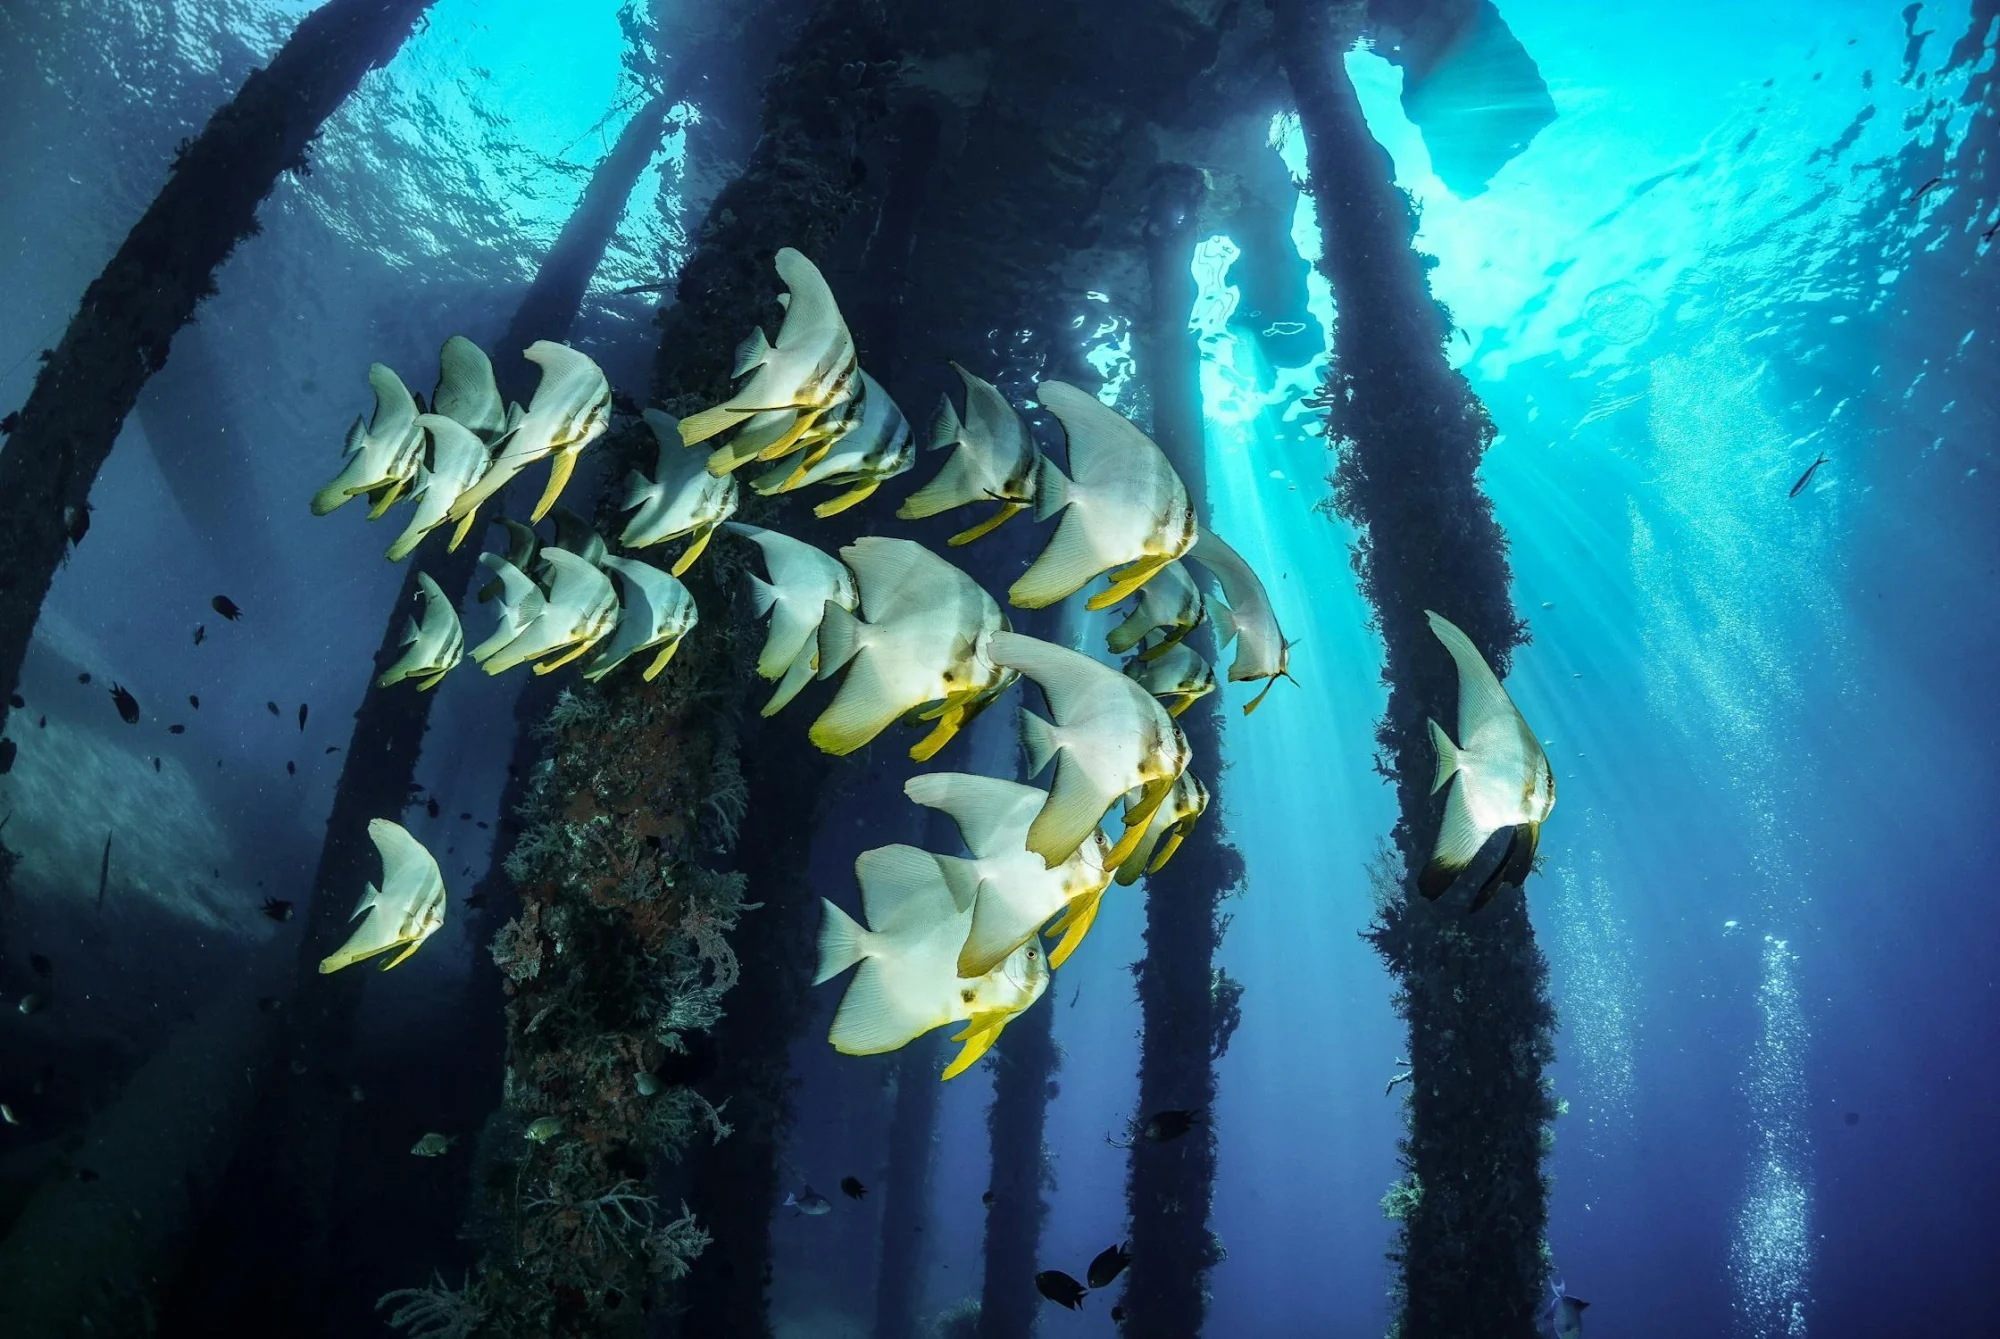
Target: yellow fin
[
  {"x": 834, "y": 506},
  {"x": 1137, "y": 819},
  {"x": 660, "y": 661},
  {"x": 1127, "y": 580},
  {"x": 789, "y": 443},
  {"x": 395, "y": 490},
  {"x": 464, "y": 529},
  {"x": 1186, "y": 700},
  {"x": 1008, "y": 510},
  {"x": 686, "y": 560},
  {"x": 941, "y": 734},
  {"x": 561, "y": 465},
  {"x": 551, "y": 666},
  {"x": 413, "y": 946},
  {"x": 433, "y": 681},
  {"x": 1170, "y": 845},
  {"x": 1073, "y": 925},
  {"x": 700, "y": 427},
  {"x": 1256, "y": 701},
  {"x": 1167, "y": 643},
  {"x": 979, "y": 1036}
]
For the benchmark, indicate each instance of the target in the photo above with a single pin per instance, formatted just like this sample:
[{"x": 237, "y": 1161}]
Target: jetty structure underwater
[{"x": 954, "y": 171}]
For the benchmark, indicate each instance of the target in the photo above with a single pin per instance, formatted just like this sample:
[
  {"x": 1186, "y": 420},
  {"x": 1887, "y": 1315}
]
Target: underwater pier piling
[
  {"x": 121, "y": 333},
  {"x": 1170, "y": 1186},
  {"x": 1408, "y": 435}
]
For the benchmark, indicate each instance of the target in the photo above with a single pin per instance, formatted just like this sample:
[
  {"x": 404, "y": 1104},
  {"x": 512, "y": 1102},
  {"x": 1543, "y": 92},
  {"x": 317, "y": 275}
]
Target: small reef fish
[
  {"x": 405, "y": 911},
  {"x": 1261, "y": 649},
  {"x": 1179, "y": 678},
  {"x": 277, "y": 909},
  {"x": 433, "y": 1145},
  {"x": 993, "y": 459},
  {"x": 1169, "y": 604},
  {"x": 128, "y": 706},
  {"x": 579, "y": 609},
  {"x": 1806, "y": 478},
  {"x": 1109, "y": 736},
  {"x": 40, "y": 964},
  {"x": 1017, "y": 892},
  {"x": 1060, "y": 1288},
  {"x": 1503, "y": 777},
  {"x": 1168, "y": 828},
  {"x": 1124, "y": 509},
  {"x": 852, "y": 1188},
  {"x": 570, "y": 409},
  {"x": 457, "y": 460},
  {"x": 381, "y": 451},
  {"x": 194, "y": 702},
  {"x": 542, "y": 1129},
  {"x": 803, "y": 582},
  {"x": 466, "y": 392},
  {"x": 225, "y": 606},
  {"x": 1109, "y": 1264},
  {"x": 682, "y": 499},
  {"x": 916, "y": 642},
  {"x": 657, "y": 612},
  {"x": 302, "y": 718},
  {"x": 919, "y": 915},
  {"x": 271, "y": 707},
  {"x": 808, "y": 1202},
  {"x": 810, "y": 368},
  {"x": 877, "y": 449},
  {"x": 200, "y": 632},
  {"x": 1564, "y": 1314},
  {"x": 433, "y": 643}
]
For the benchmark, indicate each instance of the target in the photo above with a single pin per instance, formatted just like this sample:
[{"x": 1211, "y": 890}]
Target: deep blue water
[{"x": 1767, "y": 899}]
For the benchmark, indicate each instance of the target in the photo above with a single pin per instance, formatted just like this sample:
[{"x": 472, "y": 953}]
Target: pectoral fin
[
  {"x": 561, "y": 465},
  {"x": 464, "y": 529},
  {"x": 978, "y": 1036},
  {"x": 1257, "y": 701},
  {"x": 660, "y": 661},
  {"x": 387, "y": 498},
  {"x": 1175, "y": 836},
  {"x": 1166, "y": 644},
  {"x": 1126, "y": 581},
  {"x": 686, "y": 560},
  {"x": 1136, "y": 820},
  {"x": 1073, "y": 925},
  {"x": 834, "y": 506},
  {"x": 408, "y": 949},
  {"x": 551, "y": 666},
  {"x": 941, "y": 734}
]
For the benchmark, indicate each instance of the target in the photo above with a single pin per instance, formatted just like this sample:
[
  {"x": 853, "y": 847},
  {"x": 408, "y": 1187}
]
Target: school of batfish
[{"x": 947, "y": 939}]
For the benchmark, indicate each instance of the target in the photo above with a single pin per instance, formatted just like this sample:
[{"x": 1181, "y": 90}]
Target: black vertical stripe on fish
[{"x": 104, "y": 872}]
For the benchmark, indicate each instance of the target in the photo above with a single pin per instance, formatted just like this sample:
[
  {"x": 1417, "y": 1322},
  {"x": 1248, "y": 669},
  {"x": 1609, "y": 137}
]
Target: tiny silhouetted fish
[
  {"x": 177, "y": 729},
  {"x": 1108, "y": 1265},
  {"x": 465, "y": 818},
  {"x": 128, "y": 706},
  {"x": 1806, "y": 478},
  {"x": 8, "y": 748},
  {"x": 431, "y": 808},
  {"x": 1926, "y": 189},
  {"x": 1853, "y": 1118},
  {"x": 42, "y": 724},
  {"x": 1164, "y": 1125},
  {"x": 277, "y": 909},
  {"x": 1118, "y": 1313},
  {"x": 41, "y": 964},
  {"x": 86, "y": 1175},
  {"x": 853, "y": 1189},
  {"x": 76, "y": 523},
  {"x": 482, "y": 825},
  {"x": 200, "y": 631},
  {"x": 302, "y": 718},
  {"x": 291, "y": 768},
  {"x": 104, "y": 872},
  {"x": 987, "y": 1198},
  {"x": 194, "y": 702},
  {"x": 332, "y": 748},
  {"x": 225, "y": 606},
  {"x": 156, "y": 764},
  {"x": 1059, "y": 1288},
  {"x": 271, "y": 707},
  {"x": 83, "y": 677}
]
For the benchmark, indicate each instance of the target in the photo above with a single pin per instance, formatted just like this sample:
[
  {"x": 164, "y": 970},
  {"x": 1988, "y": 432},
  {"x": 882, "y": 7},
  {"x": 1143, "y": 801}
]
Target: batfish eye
[
  {"x": 965, "y": 995},
  {"x": 1031, "y": 954}
]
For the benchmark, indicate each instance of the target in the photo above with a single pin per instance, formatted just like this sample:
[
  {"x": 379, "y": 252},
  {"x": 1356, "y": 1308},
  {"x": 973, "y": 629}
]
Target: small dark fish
[
  {"x": 476, "y": 901},
  {"x": 1109, "y": 1264},
  {"x": 277, "y": 910},
  {"x": 225, "y": 606},
  {"x": 987, "y": 1198},
  {"x": 76, "y": 523},
  {"x": 156, "y": 764},
  {"x": 1060, "y": 1288},
  {"x": 1118, "y": 1313},
  {"x": 104, "y": 872},
  {"x": 1806, "y": 478},
  {"x": 1926, "y": 189},
  {"x": 483, "y": 825},
  {"x": 194, "y": 702},
  {"x": 853, "y": 1189},
  {"x": 431, "y": 808},
  {"x": 302, "y": 718},
  {"x": 177, "y": 729},
  {"x": 41, "y": 964},
  {"x": 291, "y": 768},
  {"x": 83, "y": 677},
  {"x": 1077, "y": 995},
  {"x": 128, "y": 706},
  {"x": 1853, "y": 1118},
  {"x": 271, "y": 707},
  {"x": 42, "y": 724},
  {"x": 1162, "y": 1126},
  {"x": 269, "y": 1004},
  {"x": 332, "y": 749},
  {"x": 8, "y": 748},
  {"x": 465, "y": 818},
  {"x": 200, "y": 632},
  {"x": 16, "y": 701},
  {"x": 85, "y": 1175}
]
